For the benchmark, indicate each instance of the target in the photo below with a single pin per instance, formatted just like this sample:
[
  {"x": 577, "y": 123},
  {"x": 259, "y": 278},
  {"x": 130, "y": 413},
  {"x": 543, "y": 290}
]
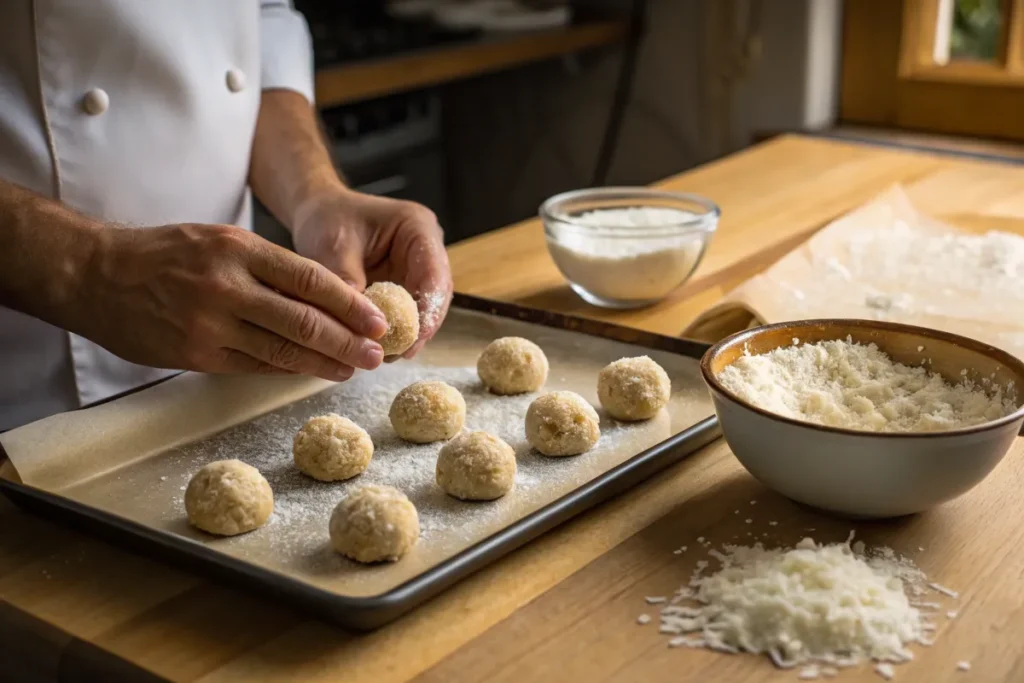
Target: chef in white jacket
[{"x": 131, "y": 134}]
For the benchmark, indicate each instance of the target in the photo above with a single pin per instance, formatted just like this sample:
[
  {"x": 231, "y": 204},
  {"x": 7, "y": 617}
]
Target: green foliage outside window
[{"x": 977, "y": 25}]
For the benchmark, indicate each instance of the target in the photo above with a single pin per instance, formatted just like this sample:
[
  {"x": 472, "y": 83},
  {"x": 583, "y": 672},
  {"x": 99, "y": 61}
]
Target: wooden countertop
[
  {"x": 564, "y": 607},
  {"x": 347, "y": 83}
]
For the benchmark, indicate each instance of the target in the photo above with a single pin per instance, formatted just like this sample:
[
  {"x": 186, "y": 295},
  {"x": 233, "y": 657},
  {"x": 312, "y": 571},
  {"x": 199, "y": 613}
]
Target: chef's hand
[
  {"x": 366, "y": 239},
  {"x": 217, "y": 298}
]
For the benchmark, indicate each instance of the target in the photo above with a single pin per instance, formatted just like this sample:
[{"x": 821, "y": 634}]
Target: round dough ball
[
  {"x": 332, "y": 448},
  {"x": 562, "y": 423},
  {"x": 425, "y": 412},
  {"x": 512, "y": 365},
  {"x": 403, "y": 316},
  {"x": 228, "y": 497},
  {"x": 633, "y": 388},
  {"x": 373, "y": 524},
  {"x": 476, "y": 466}
]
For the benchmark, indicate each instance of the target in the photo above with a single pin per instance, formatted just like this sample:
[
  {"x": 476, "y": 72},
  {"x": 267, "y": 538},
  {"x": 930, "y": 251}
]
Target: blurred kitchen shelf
[{"x": 347, "y": 83}]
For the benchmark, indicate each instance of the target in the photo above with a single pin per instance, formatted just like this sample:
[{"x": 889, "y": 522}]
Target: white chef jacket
[{"x": 135, "y": 111}]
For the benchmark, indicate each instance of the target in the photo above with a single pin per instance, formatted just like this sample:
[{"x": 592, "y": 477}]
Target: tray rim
[{"x": 365, "y": 613}]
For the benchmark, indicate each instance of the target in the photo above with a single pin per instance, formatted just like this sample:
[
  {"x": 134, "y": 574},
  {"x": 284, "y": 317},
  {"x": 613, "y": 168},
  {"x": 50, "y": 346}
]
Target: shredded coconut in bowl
[{"x": 857, "y": 386}]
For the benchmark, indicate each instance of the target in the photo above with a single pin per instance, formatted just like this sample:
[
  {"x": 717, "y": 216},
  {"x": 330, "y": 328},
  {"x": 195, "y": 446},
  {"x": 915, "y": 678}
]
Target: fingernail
[
  {"x": 343, "y": 373},
  {"x": 370, "y": 355}
]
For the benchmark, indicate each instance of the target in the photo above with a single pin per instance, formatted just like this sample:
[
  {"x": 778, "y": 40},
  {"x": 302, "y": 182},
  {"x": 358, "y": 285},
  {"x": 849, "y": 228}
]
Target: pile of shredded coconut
[
  {"x": 612, "y": 263},
  {"x": 856, "y": 386},
  {"x": 820, "y": 607}
]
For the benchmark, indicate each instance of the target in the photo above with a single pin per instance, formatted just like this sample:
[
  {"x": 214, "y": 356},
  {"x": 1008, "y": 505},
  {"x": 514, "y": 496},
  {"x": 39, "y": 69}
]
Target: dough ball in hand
[
  {"x": 633, "y": 388},
  {"x": 512, "y": 365},
  {"x": 332, "y": 448},
  {"x": 428, "y": 411},
  {"x": 562, "y": 423},
  {"x": 374, "y": 524},
  {"x": 402, "y": 315},
  {"x": 228, "y": 497},
  {"x": 476, "y": 466}
]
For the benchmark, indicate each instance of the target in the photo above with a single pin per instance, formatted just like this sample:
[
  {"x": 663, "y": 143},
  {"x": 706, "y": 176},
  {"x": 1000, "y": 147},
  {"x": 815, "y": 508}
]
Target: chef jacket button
[
  {"x": 96, "y": 102},
  {"x": 236, "y": 80}
]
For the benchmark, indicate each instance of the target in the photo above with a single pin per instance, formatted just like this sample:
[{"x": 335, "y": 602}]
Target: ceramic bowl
[{"x": 866, "y": 474}]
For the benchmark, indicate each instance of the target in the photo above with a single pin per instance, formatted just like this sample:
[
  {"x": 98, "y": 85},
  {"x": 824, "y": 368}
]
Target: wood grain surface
[{"x": 564, "y": 607}]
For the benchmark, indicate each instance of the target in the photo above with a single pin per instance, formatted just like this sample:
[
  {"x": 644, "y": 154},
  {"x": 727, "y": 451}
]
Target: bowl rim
[
  {"x": 995, "y": 353},
  {"x": 704, "y": 223}
]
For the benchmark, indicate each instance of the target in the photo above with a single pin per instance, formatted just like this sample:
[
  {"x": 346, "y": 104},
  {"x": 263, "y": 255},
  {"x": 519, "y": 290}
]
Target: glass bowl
[{"x": 627, "y": 247}]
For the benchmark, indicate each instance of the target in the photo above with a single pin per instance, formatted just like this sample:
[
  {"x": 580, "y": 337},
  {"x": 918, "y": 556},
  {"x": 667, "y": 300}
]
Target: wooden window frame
[
  {"x": 919, "y": 61},
  {"x": 890, "y": 77}
]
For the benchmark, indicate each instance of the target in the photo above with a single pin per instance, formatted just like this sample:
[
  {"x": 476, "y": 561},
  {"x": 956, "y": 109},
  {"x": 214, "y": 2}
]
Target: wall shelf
[{"x": 347, "y": 83}]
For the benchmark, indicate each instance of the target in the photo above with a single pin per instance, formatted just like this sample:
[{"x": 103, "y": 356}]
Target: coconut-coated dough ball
[
  {"x": 228, "y": 497},
  {"x": 633, "y": 388},
  {"x": 512, "y": 365},
  {"x": 332, "y": 448},
  {"x": 374, "y": 524},
  {"x": 562, "y": 423},
  {"x": 476, "y": 466},
  {"x": 403, "y": 317},
  {"x": 428, "y": 411}
]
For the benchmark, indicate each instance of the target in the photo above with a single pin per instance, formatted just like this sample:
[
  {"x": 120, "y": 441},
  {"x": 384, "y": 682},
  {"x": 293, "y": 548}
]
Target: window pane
[{"x": 976, "y": 29}]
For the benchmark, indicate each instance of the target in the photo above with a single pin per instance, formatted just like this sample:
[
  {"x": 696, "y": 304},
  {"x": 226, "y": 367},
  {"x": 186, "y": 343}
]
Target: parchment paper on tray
[
  {"x": 888, "y": 261},
  {"x": 133, "y": 457}
]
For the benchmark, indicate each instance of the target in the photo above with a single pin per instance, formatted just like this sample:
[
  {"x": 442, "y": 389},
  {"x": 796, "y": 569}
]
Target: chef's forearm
[
  {"x": 44, "y": 250},
  {"x": 290, "y": 163}
]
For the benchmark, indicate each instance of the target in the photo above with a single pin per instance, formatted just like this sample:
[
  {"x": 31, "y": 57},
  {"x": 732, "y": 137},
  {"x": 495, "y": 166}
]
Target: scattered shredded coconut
[
  {"x": 963, "y": 665},
  {"x": 643, "y": 619},
  {"x": 945, "y": 591},
  {"x": 857, "y": 386},
  {"x": 655, "y": 600},
  {"x": 951, "y": 614},
  {"x": 991, "y": 264},
  {"x": 809, "y": 673},
  {"x": 885, "y": 670}
]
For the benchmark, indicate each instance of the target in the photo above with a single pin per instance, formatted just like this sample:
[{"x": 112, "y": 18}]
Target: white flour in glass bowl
[{"x": 610, "y": 265}]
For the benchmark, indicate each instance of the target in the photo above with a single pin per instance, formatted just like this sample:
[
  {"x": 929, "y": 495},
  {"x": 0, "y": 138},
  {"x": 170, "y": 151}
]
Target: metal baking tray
[{"x": 366, "y": 598}]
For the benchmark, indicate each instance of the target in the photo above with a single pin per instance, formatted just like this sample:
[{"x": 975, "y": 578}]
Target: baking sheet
[
  {"x": 858, "y": 267},
  {"x": 133, "y": 457}
]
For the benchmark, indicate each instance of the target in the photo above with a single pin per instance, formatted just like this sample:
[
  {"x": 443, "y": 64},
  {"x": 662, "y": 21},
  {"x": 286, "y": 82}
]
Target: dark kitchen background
[{"x": 481, "y": 109}]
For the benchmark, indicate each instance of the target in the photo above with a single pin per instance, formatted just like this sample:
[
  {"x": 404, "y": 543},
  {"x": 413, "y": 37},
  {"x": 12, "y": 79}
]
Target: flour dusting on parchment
[{"x": 300, "y": 501}]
